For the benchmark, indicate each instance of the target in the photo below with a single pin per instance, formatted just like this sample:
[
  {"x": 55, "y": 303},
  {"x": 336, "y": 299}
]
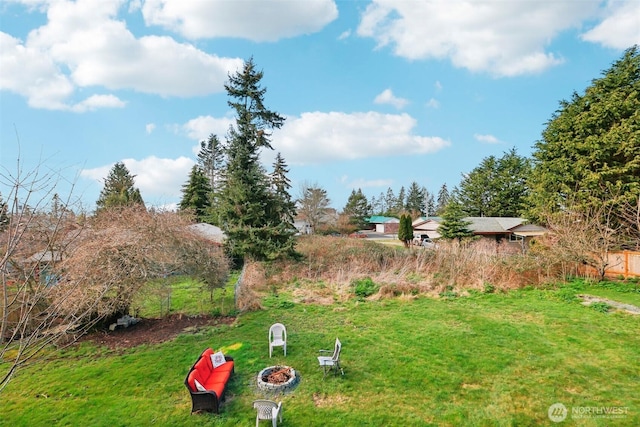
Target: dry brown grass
[{"x": 330, "y": 265}]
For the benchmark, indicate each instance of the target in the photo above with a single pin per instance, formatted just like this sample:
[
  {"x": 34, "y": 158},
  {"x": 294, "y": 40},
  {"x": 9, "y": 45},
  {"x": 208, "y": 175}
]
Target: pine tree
[
  {"x": 390, "y": 202},
  {"x": 119, "y": 190},
  {"x": 453, "y": 225},
  {"x": 210, "y": 159},
  {"x": 399, "y": 207},
  {"x": 196, "y": 194},
  {"x": 443, "y": 199},
  {"x": 416, "y": 199},
  {"x": 378, "y": 206},
  {"x": 248, "y": 210},
  {"x": 211, "y": 163},
  {"x": 429, "y": 204},
  {"x": 358, "y": 209},
  {"x": 280, "y": 185}
]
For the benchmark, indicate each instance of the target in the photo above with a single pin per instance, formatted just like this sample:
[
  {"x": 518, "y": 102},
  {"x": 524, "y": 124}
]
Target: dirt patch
[
  {"x": 590, "y": 299},
  {"x": 153, "y": 331}
]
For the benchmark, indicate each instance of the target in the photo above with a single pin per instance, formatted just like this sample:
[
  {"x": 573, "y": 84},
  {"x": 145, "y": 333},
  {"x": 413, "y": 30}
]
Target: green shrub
[
  {"x": 277, "y": 301},
  {"x": 448, "y": 293},
  {"x": 567, "y": 295},
  {"x": 489, "y": 288},
  {"x": 364, "y": 287},
  {"x": 600, "y": 306}
]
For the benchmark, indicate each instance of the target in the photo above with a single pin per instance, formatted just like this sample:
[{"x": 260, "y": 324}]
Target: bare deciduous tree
[
  {"x": 631, "y": 219},
  {"x": 312, "y": 204},
  {"x": 32, "y": 242},
  {"x": 60, "y": 273},
  {"x": 586, "y": 234}
]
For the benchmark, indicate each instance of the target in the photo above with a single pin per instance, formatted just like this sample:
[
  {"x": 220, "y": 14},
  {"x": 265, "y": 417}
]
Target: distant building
[
  {"x": 384, "y": 224},
  {"x": 511, "y": 230}
]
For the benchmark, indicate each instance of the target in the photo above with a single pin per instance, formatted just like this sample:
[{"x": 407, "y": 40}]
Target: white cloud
[
  {"x": 156, "y": 178},
  {"x": 256, "y": 20},
  {"x": 150, "y": 127},
  {"x": 438, "y": 85},
  {"x": 433, "y": 103},
  {"x": 32, "y": 73},
  {"x": 498, "y": 37},
  {"x": 83, "y": 44},
  {"x": 318, "y": 137},
  {"x": 387, "y": 97},
  {"x": 201, "y": 127},
  {"x": 344, "y": 35},
  {"x": 487, "y": 139},
  {"x": 95, "y": 102},
  {"x": 621, "y": 27}
]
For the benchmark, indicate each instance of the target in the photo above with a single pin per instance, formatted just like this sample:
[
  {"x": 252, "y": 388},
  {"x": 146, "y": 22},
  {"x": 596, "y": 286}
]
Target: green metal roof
[{"x": 379, "y": 219}]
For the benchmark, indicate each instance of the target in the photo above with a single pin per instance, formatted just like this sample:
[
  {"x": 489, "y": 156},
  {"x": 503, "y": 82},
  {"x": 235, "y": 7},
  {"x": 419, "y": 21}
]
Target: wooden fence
[{"x": 625, "y": 264}]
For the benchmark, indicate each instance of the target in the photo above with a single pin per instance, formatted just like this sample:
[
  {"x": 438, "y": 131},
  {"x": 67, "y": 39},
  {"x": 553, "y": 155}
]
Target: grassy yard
[{"x": 480, "y": 360}]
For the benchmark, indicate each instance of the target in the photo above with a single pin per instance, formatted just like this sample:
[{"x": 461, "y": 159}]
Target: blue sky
[{"x": 377, "y": 94}]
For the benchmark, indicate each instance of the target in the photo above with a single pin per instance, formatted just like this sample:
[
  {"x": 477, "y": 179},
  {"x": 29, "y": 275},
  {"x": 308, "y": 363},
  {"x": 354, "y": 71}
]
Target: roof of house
[
  {"x": 493, "y": 225},
  {"x": 380, "y": 219},
  {"x": 208, "y": 231},
  {"x": 529, "y": 230},
  {"x": 424, "y": 219},
  {"x": 486, "y": 225}
]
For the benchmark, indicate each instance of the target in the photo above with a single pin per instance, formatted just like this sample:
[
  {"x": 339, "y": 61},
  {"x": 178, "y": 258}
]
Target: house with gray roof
[{"x": 511, "y": 230}]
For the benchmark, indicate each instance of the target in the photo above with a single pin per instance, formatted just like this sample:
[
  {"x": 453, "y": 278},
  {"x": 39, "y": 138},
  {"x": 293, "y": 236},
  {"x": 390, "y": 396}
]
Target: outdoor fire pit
[{"x": 277, "y": 379}]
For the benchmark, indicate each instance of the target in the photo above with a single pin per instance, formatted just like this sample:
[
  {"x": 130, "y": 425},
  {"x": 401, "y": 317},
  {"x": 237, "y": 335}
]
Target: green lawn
[{"x": 481, "y": 360}]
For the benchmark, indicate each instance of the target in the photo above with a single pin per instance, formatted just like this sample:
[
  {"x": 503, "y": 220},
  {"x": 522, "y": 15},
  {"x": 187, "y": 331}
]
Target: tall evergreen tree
[
  {"x": 443, "y": 199},
  {"x": 378, "y": 206},
  {"x": 429, "y": 204},
  {"x": 280, "y": 186},
  {"x": 119, "y": 190},
  {"x": 196, "y": 194},
  {"x": 590, "y": 150},
  {"x": 248, "y": 209},
  {"x": 453, "y": 225},
  {"x": 390, "y": 202},
  {"x": 211, "y": 163},
  {"x": 211, "y": 160},
  {"x": 416, "y": 199},
  {"x": 497, "y": 187},
  {"x": 358, "y": 209},
  {"x": 399, "y": 207},
  {"x": 405, "y": 230}
]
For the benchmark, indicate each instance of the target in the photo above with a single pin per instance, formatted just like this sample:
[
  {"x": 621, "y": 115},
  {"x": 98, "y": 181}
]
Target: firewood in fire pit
[{"x": 278, "y": 377}]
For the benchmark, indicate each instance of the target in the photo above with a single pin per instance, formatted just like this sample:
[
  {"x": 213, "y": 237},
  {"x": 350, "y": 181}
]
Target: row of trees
[
  {"x": 497, "y": 187},
  {"x": 588, "y": 160},
  {"x": 229, "y": 187},
  {"x": 589, "y": 154}
]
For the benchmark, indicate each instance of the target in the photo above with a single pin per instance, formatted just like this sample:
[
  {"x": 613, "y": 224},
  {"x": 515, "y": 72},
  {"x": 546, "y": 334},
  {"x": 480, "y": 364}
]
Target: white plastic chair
[
  {"x": 331, "y": 362},
  {"x": 277, "y": 337},
  {"x": 268, "y": 410}
]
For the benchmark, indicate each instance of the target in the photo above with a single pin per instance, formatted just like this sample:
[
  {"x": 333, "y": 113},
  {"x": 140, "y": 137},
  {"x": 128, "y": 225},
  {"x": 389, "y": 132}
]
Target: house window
[{"x": 515, "y": 238}]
